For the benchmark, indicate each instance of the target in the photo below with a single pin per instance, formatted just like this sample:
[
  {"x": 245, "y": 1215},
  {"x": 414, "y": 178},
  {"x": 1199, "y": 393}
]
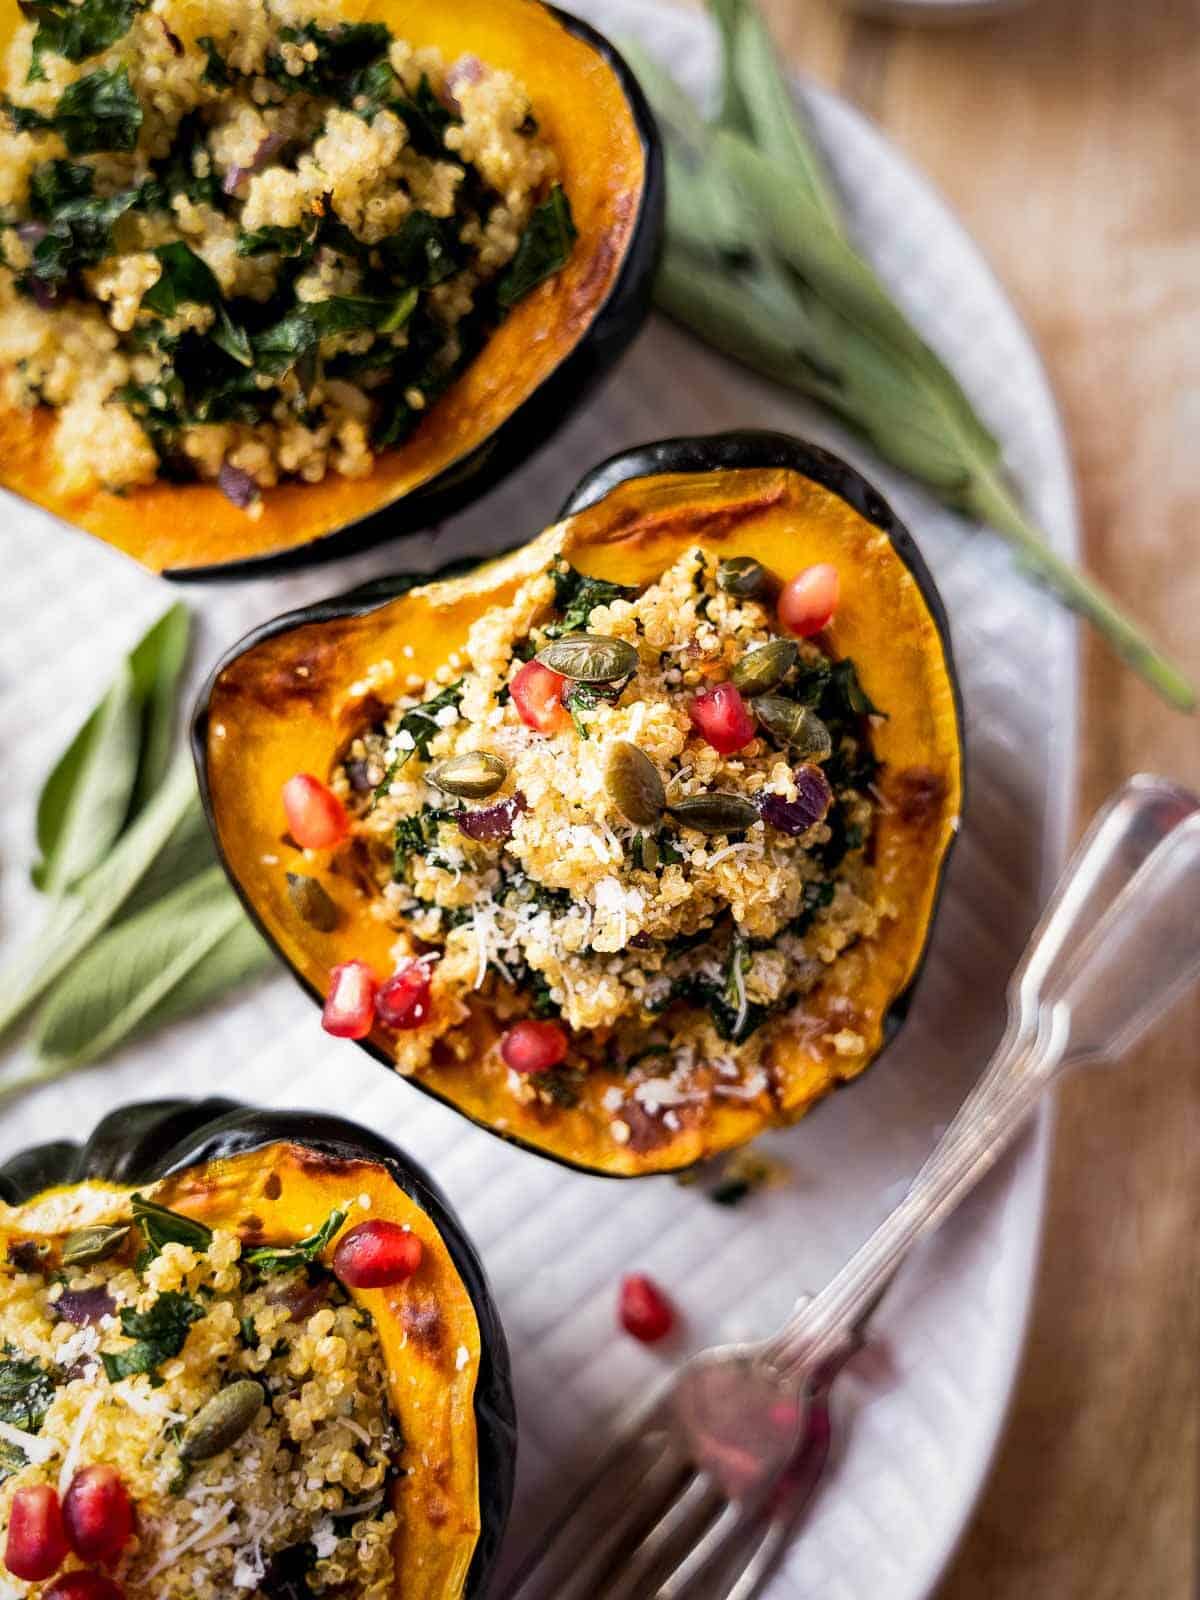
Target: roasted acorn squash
[
  {"x": 534, "y": 370},
  {"x": 266, "y": 1174},
  {"x": 290, "y": 696}
]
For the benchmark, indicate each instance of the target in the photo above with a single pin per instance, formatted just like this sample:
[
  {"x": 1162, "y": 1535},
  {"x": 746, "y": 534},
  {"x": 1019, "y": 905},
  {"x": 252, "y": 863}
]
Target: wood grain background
[{"x": 1066, "y": 136}]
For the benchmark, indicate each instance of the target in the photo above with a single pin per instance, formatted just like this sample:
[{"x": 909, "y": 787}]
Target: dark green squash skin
[
  {"x": 731, "y": 451},
  {"x": 615, "y": 324},
  {"x": 141, "y": 1143}
]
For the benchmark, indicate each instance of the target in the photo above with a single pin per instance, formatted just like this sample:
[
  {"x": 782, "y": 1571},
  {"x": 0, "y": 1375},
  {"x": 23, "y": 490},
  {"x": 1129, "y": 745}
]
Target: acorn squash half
[
  {"x": 290, "y": 697},
  {"x": 266, "y": 1175},
  {"x": 535, "y": 369}
]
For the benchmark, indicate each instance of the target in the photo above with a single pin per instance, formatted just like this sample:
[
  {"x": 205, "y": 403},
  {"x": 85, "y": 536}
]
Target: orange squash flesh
[
  {"x": 424, "y": 1324},
  {"x": 290, "y": 701},
  {"x": 584, "y": 112}
]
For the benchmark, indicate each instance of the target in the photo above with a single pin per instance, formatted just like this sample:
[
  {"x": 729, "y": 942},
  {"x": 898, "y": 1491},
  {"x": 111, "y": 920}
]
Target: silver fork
[{"x": 702, "y": 1490}]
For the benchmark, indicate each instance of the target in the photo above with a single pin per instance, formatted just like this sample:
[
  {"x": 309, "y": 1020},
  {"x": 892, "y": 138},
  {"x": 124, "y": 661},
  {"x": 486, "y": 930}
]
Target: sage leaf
[
  {"x": 758, "y": 265},
  {"x": 86, "y": 798},
  {"x": 187, "y": 852},
  {"x": 132, "y": 975},
  {"x": 115, "y": 762},
  {"x": 770, "y": 110},
  {"x": 77, "y": 916}
]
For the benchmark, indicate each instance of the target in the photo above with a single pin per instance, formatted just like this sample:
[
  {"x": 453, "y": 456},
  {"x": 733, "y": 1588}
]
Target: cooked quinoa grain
[
  {"x": 129, "y": 1362},
  {"x": 584, "y": 820},
  {"x": 245, "y": 241}
]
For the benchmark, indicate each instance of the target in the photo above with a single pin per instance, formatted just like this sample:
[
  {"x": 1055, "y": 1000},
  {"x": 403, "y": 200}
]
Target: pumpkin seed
[
  {"x": 82, "y": 1246},
  {"x": 311, "y": 902},
  {"x": 715, "y": 813},
  {"x": 762, "y": 669},
  {"x": 746, "y": 579},
  {"x": 472, "y": 776},
  {"x": 590, "y": 658},
  {"x": 794, "y": 725},
  {"x": 634, "y": 785},
  {"x": 223, "y": 1421}
]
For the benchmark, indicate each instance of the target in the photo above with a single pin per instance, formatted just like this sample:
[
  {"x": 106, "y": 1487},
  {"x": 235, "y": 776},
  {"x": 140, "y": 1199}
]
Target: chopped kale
[
  {"x": 56, "y": 184},
  {"x": 561, "y": 1085},
  {"x": 426, "y": 119},
  {"x": 81, "y": 231},
  {"x": 175, "y": 172},
  {"x": 544, "y": 249},
  {"x": 540, "y": 1002},
  {"x": 818, "y": 893},
  {"x": 160, "y": 1334},
  {"x": 232, "y": 338},
  {"x": 12, "y": 1460},
  {"x": 96, "y": 112},
  {"x": 582, "y": 697},
  {"x": 248, "y": 1333},
  {"x": 160, "y": 1227},
  {"x": 808, "y": 682},
  {"x": 287, "y": 241},
  {"x": 185, "y": 277},
  {"x": 845, "y": 695},
  {"x": 342, "y": 53},
  {"x": 268, "y": 1259},
  {"x": 576, "y": 596},
  {"x": 421, "y": 725},
  {"x": 424, "y": 252},
  {"x": 26, "y": 1392},
  {"x": 278, "y": 348},
  {"x": 415, "y": 836},
  {"x": 216, "y": 72},
  {"x": 74, "y": 31}
]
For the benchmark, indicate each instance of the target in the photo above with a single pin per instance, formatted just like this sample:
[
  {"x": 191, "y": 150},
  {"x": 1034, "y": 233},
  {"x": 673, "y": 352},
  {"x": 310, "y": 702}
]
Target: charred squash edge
[
  {"x": 145, "y": 1143},
  {"x": 728, "y": 452},
  {"x": 610, "y": 326}
]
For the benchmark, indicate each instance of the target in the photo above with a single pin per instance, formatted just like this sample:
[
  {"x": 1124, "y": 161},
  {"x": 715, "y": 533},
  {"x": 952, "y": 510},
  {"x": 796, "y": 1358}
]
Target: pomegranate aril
[
  {"x": 644, "y": 1309},
  {"x": 375, "y": 1254},
  {"x": 350, "y": 1004},
  {"x": 537, "y": 693},
  {"x": 808, "y": 601},
  {"x": 316, "y": 818},
  {"x": 37, "y": 1541},
  {"x": 533, "y": 1046},
  {"x": 80, "y": 1585},
  {"x": 405, "y": 1001},
  {"x": 721, "y": 717},
  {"x": 98, "y": 1514}
]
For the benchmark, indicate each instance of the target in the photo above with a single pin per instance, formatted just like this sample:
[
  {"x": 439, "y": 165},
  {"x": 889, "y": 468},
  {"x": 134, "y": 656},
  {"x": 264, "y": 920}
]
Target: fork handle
[{"x": 1091, "y": 1002}]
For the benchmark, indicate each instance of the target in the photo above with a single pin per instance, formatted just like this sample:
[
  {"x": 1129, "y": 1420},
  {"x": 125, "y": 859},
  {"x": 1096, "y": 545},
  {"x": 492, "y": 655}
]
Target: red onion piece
[
  {"x": 813, "y": 799},
  {"x": 31, "y": 233},
  {"x": 464, "y": 71},
  {"x": 44, "y": 294},
  {"x": 266, "y": 149},
  {"x": 237, "y": 485},
  {"x": 492, "y": 822},
  {"x": 84, "y": 1307}
]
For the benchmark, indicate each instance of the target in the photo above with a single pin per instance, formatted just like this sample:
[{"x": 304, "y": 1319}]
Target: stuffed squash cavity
[
  {"x": 247, "y": 1362},
  {"x": 628, "y": 844}
]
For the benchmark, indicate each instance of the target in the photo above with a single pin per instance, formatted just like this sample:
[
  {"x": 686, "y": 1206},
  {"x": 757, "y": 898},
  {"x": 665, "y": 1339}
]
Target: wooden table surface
[{"x": 1065, "y": 136}]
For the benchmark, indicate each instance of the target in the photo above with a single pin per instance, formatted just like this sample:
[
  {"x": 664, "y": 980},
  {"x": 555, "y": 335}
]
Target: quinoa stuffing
[
  {"x": 212, "y": 1416},
  {"x": 245, "y": 241},
  {"x": 638, "y": 823}
]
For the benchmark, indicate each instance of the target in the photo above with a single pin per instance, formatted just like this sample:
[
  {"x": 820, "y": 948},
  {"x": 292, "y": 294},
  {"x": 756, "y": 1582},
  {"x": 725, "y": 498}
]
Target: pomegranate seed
[
  {"x": 404, "y": 1001},
  {"x": 533, "y": 1046},
  {"x": 98, "y": 1514},
  {"x": 350, "y": 1004},
  {"x": 720, "y": 717},
  {"x": 316, "y": 818},
  {"x": 808, "y": 602},
  {"x": 375, "y": 1254},
  {"x": 644, "y": 1310},
  {"x": 37, "y": 1540},
  {"x": 537, "y": 694},
  {"x": 80, "y": 1585}
]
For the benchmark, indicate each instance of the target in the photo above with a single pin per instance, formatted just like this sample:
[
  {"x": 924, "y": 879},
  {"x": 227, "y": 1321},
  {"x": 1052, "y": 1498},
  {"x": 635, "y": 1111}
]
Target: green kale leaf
[
  {"x": 544, "y": 249},
  {"x": 160, "y": 1334},
  {"x": 26, "y": 1392},
  {"x": 269, "y": 1259},
  {"x": 75, "y": 31}
]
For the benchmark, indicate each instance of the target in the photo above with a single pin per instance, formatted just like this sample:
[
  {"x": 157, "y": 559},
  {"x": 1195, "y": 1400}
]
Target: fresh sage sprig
[
  {"x": 141, "y": 926},
  {"x": 757, "y": 263}
]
